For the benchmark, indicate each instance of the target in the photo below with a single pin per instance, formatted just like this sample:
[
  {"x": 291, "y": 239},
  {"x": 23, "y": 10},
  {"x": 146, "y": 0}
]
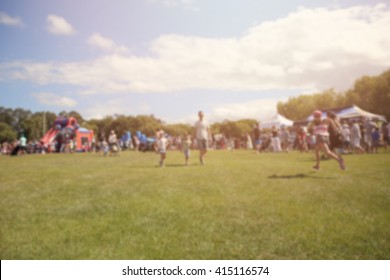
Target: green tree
[
  {"x": 101, "y": 127},
  {"x": 120, "y": 124},
  {"x": 38, "y": 124},
  {"x": 147, "y": 124},
  {"x": 369, "y": 93},
  {"x": 373, "y": 93},
  {"x": 6, "y": 116},
  {"x": 297, "y": 108},
  {"x": 73, "y": 114},
  {"x": 33, "y": 127},
  {"x": 235, "y": 129},
  {"x": 7, "y": 134},
  {"x": 19, "y": 116},
  {"x": 178, "y": 129}
]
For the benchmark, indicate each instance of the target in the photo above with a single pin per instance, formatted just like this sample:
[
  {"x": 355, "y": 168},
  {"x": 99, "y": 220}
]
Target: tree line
[
  {"x": 14, "y": 122},
  {"x": 369, "y": 93}
]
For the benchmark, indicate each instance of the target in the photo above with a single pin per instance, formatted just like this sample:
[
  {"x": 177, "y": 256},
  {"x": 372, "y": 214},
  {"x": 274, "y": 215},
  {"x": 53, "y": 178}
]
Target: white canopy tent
[
  {"x": 355, "y": 112},
  {"x": 351, "y": 112},
  {"x": 277, "y": 121}
]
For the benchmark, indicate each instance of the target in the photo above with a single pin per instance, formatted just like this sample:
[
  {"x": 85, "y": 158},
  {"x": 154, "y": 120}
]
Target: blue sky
[{"x": 171, "y": 58}]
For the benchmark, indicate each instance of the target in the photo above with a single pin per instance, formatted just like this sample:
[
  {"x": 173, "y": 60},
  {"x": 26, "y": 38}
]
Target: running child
[{"x": 320, "y": 128}]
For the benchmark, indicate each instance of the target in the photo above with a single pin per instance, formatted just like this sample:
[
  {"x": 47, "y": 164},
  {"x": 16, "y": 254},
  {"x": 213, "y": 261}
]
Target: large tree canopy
[{"x": 369, "y": 93}]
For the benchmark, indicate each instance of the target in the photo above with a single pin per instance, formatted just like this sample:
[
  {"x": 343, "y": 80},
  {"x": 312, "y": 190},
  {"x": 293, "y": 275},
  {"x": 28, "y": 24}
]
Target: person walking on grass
[
  {"x": 186, "y": 145},
  {"x": 113, "y": 143},
  {"x": 202, "y": 135},
  {"x": 105, "y": 148},
  {"x": 320, "y": 128},
  {"x": 161, "y": 145}
]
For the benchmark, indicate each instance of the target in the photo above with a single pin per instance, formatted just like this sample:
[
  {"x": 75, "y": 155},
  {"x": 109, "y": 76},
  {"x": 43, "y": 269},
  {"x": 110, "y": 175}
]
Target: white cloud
[
  {"x": 258, "y": 109},
  {"x": 115, "y": 106},
  {"x": 11, "y": 21},
  {"x": 187, "y": 4},
  {"x": 254, "y": 109},
  {"x": 54, "y": 100},
  {"x": 103, "y": 109},
  {"x": 59, "y": 26},
  {"x": 106, "y": 44},
  {"x": 310, "y": 48}
]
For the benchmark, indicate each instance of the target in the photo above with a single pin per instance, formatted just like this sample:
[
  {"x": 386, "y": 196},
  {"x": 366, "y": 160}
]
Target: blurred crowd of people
[
  {"x": 21, "y": 147},
  {"x": 346, "y": 136}
]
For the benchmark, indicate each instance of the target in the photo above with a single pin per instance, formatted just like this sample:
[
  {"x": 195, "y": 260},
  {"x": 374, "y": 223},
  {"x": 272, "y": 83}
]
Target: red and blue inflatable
[{"x": 62, "y": 130}]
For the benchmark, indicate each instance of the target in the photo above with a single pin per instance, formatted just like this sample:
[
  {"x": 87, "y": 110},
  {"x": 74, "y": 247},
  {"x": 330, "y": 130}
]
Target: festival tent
[
  {"x": 350, "y": 112},
  {"x": 277, "y": 121},
  {"x": 356, "y": 112}
]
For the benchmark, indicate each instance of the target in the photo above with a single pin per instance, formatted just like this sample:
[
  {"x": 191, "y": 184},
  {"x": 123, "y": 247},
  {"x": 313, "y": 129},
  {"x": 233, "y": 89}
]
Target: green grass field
[{"x": 238, "y": 206}]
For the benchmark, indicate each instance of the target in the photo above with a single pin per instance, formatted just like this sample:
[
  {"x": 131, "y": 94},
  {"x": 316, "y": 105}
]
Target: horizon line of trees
[
  {"x": 15, "y": 122},
  {"x": 371, "y": 93}
]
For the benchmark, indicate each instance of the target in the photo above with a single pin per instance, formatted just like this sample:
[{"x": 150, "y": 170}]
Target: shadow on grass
[
  {"x": 178, "y": 165},
  {"x": 167, "y": 166},
  {"x": 298, "y": 176}
]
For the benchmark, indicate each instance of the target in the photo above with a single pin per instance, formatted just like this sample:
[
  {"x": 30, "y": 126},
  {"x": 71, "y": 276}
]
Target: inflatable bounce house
[
  {"x": 65, "y": 129},
  {"x": 84, "y": 139}
]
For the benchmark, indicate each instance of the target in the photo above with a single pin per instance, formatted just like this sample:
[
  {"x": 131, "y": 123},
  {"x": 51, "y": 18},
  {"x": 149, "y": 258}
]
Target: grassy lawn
[{"x": 238, "y": 206}]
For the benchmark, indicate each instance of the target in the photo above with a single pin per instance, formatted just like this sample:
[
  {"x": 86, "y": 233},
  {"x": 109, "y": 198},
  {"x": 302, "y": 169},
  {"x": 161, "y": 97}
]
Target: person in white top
[
  {"x": 113, "y": 143},
  {"x": 346, "y": 136},
  {"x": 320, "y": 128},
  {"x": 161, "y": 146},
  {"x": 356, "y": 137},
  {"x": 202, "y": 135}
]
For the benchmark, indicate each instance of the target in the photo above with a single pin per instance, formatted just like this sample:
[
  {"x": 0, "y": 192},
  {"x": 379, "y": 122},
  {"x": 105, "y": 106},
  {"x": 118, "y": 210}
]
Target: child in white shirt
[{"x": 161, "y": 146}]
